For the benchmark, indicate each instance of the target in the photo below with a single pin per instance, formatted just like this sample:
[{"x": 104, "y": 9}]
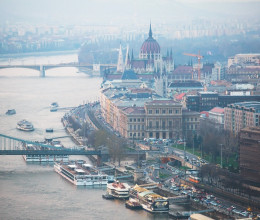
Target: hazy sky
[{"x": 123, "y": 11}]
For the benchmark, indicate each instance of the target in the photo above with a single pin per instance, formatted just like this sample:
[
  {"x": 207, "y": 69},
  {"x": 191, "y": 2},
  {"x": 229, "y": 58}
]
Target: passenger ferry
[
  {"x": 149, "y": 200},
  {"x": 80, "y": 173},
  {"x": 44, "y": 158},
  {"x": 118, "y": 190},
  {"x": 25, "y": 125}
]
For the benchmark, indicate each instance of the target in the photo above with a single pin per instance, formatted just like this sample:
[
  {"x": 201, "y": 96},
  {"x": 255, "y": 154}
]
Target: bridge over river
[
  {"x": 43, "y": 67},
  {"x": 14, "y": 146}
]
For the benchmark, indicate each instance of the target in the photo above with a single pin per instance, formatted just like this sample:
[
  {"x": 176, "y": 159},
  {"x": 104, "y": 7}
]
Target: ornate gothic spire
[{"x": 150, "y": 31}]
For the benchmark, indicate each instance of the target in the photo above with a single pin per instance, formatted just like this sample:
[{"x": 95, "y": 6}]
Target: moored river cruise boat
[
  {"x": 118, "y": 190},
  {"x": 149, "y": 200},
  {"x": 80, "y": 173}
]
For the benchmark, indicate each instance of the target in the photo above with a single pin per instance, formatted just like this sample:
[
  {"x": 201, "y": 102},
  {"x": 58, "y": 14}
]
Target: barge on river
[{"x": 80, "y": 173}]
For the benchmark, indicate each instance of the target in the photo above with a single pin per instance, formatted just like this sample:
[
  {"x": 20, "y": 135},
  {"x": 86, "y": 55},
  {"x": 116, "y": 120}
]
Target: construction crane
[{"x": 199, "y": 58}]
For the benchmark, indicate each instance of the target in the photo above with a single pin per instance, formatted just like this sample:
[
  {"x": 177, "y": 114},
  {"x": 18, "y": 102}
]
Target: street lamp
[
  {"x": 184, "y": 158},
  {"x": 221, "y": 155}
]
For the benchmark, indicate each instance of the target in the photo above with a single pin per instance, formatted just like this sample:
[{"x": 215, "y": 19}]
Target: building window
[
  {"x": 143, "y": 134},
  {"x": 151, "y": 134},
  {"x": 170, "y": 111},
  {"x": 134, "y": 127},
  {"x": 138, "y": 119},
  {"x": 163, "y": 125},
  {"x": 150, "y": 124},
  {"x": 170, "y": 124},
  {"x": 142, "y": 119},
  {"x": 138, "y": 127},
  {"x": 130, "y": 127},
  {"x": 176, "y": 111},
  {"x": 150, "y": 112},
  {"x": 130, "y": 134},
  {"x": 134, "y": 119},
  {"x": 142, "y": 127},
  {"x": 130, "y": 119},
  {"x": 157, "y": 111},
  {"x": 157, "y": 124},
  {"x": 164, "y": 135},
  {"x": 163, "y": 111}
]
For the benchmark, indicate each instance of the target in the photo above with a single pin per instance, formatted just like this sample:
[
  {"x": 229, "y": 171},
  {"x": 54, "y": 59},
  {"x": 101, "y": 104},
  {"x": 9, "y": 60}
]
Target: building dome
[{"x": 150, "y": 45}]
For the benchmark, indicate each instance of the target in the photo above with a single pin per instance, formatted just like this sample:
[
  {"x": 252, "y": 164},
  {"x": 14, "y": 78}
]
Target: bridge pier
[
  {"x": 42, "y": 71},
  {"x": 96, "y": 69}
]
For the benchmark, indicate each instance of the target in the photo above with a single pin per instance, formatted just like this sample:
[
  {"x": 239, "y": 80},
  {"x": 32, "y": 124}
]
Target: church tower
[{"x": 120, "y": 62}]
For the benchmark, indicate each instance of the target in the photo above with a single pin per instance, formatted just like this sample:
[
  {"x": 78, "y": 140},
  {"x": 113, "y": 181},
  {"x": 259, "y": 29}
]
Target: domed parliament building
[{"x": 150, "y": 62}]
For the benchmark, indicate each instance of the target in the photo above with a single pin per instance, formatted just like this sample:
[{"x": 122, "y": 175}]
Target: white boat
[
  {"x": 25, "y": 125},
  {"x": 80, "y": 173},
  {"x": 118, "y": 190},
  {"x": 10, "y": 112},
  {"x": 149, "y": 200},
  {"x": 44, "y": 158}
]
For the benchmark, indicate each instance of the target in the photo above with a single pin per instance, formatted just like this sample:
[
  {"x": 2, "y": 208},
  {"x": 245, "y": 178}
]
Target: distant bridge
[{"x": 43, "y": 67}]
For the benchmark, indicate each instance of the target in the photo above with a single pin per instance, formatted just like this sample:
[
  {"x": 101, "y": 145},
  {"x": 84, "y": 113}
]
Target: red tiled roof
[
  {"x": 180, "y": 96},
  {"x": 205, "y": 113},
  {"x": 183, "y": 69},
  {"x": 217, "y": 110}
]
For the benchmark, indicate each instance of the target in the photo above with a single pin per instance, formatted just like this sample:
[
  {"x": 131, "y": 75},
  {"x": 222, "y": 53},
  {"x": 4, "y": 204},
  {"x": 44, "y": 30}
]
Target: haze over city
[
  {"x": 110, "y": 105},
  {"x": 126, "y": 12}
]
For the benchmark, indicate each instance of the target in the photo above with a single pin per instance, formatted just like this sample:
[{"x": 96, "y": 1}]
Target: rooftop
[{"x": 217, "y": 110}]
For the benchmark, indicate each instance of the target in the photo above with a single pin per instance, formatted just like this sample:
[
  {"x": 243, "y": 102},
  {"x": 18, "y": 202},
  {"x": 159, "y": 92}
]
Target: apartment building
[{"x": 240, "y": 115}]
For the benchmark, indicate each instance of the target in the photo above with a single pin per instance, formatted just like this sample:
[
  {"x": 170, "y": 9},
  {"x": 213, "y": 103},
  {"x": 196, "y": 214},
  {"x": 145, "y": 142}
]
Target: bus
[{"x": 194, "y": 179}]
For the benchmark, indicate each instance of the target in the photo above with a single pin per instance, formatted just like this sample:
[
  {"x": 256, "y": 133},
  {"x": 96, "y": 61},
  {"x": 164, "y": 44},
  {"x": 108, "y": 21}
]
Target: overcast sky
[{"x": 123, "y": 11}]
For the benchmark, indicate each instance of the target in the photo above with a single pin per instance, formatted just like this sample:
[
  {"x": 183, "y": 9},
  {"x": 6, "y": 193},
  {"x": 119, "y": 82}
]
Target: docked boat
[
  {"x": 107, "y": 196},
  {"x": 133, "y": 204},
  {"x": 80, "y": 173},
  {"x": 118, "y": 190},
  {"x": 54, "y": 107},
  {"x": 25, "y": 125},
  {"x": 149, "y": 200},
  {"x": 44, "y": 158},
  {"x": 10, "y": 112}
]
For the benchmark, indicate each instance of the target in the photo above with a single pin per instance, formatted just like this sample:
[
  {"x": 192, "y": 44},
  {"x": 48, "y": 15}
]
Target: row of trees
[
  {"x": 115, "y": 145},
  {"x": 214, "y": 141}
]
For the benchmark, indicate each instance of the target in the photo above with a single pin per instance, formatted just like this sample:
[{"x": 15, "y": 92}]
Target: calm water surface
[{"x": 35, "y": 191}]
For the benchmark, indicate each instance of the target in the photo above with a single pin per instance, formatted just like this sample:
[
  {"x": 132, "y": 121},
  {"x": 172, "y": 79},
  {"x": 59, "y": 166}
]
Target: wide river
[{"x": 35, "y": 191}]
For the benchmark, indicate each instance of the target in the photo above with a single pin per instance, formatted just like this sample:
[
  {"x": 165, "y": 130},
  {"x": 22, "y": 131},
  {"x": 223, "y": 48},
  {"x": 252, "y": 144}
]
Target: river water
[{"x": 35, "y": 191}]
